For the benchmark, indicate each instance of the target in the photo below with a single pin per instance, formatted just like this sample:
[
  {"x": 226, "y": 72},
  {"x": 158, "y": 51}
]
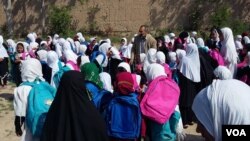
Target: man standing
[{"x": 143, "y": 42}]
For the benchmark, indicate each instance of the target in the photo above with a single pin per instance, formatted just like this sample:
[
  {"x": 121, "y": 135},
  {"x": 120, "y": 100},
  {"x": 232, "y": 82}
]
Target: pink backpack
[
  {"x": 160, "y": 99},
  {"x": 75, "y": 67}
]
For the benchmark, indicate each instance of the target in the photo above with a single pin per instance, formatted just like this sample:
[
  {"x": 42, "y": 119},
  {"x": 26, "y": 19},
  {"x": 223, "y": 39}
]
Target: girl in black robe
[
  {"x": 3, "y": 64},
  {"x": 72, "y": 116}
]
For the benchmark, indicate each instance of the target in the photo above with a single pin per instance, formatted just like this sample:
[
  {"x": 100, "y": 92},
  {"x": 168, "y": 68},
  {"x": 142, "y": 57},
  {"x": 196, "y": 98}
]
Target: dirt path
[{"x": 7, "y": 130}]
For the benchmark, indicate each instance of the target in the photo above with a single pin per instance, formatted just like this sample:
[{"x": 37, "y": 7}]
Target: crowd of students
[{"x": 176, "y": 81}]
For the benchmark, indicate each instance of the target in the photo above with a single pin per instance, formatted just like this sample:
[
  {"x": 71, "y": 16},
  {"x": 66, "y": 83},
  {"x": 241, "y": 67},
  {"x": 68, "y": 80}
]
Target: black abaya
[
  {"x": 4, "y": 71},
  {"x": 72, "y": 116}
]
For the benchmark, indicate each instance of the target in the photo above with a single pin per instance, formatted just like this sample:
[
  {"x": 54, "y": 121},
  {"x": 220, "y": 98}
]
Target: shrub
[{"x": 60, "y": 20}]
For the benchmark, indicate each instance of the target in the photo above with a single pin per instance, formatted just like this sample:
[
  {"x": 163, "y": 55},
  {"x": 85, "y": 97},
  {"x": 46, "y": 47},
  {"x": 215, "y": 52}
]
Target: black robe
[
  {"x": 242, "y": 72},
  {"x": 112, "y": 68},
  {"x": 47, "y": 72},
  {"x": 207, "y": 66},
  {"x": 189, "y": 90},
  {"x": 4, "y": 71},
  {"x": 72, "y": 116}
]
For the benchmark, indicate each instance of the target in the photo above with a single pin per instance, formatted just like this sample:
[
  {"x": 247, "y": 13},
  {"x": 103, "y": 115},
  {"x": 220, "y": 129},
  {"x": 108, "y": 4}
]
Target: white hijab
[
  {"x": 154, "y": 70},
  {"x": 228, "y": 49},
  {"x": 160, "y": 57},
  {"x": 11, "y": 43},
  {"x": 224, "y": 102},
  {"x": 100, "y": 61},
  {"x": 190, "y": 64},
  {"x": 3, "y": 52},
  {"x": 70, "y": 56},
  {"x": 150, "y": 58},
  {"x": 104, "y": 48},
  {"x": 42, "y": 54},
  {"x": 223, "y": 73},
  {"x": 82, "y": 49},
  {"x": 180, "y": 53},
  {"x": 172, "y": 56},
  {"x": 31, "y": 37},
  {"x": 80, "y": 37},
  {"x": 125, "y": 66},
  {"x": 126, "y": 49},
  {"x": 31, "y": 69},
  {"x": 33, "y": 45},
  {"x": 142, "y": 57},
  {"x": 238, "y": 43},
  {"x": 52, "y": 60},
  {"x": 84, "y": 60},
  {"x": 115, "y": 53},
  {"x": 106, "y": 80}
]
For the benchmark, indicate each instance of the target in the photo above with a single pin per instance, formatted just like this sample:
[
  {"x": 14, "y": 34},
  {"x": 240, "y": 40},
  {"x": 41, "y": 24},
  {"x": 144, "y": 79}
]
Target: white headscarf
[
  {"x": 172, "y": 56},
  {"x": 125, "y": 49},
  {"x": 33, "y": 45},
  {"x": 150, "y": 58},
  {"x": 154, "y": 70},
  {"x": 80, "y": 37},
  {"x": 55, "y": 39},
  {"x": 67, "y": 46},
  {"x": 106, "y": 80},
  {"x": 11, "y": 43},
  {"x": 142, "y": 57},
  {"x": 246, "y": 39},
  {"x": 228, "y": 49},
  {"x": 160, "y": 57},
  {"x": 3, "y": 52},
  {"x": 82, "y": 49},
  {"x": 125, "y": 66},
  {"x": 104, "y": 48},
  {"x": 238, "y": 43},
  {"x": 31, "y": 69},
  {"x": 223, "y": 73},
  {"x": 224, "y": 102},
  {"x": 190, "y": 64},
  {"x": 70, "y": 56},
  {"x": 31, "y": 37},
  {"x": 42, "y": 55},
  {"x": 200, "y": 42},
  {"x": 71, "y": 43},
  {"x": 167, "y": 39},
  {"x": 108, "y": 41},
  {"x": 52, "y": 61},
  {"x": 115, "y": 53},
  {"x": 180, "y": 53},
  {"x": 100, "y": 61},
  {"x": 84, "y": 60}
]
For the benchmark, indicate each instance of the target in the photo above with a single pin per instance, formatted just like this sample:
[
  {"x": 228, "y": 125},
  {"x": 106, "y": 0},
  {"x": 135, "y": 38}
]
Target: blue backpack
[
  {"x": 123, "y": 117},
  {"x": 58, "y": 75},
  {"x": 40, "y": 98},
  {"x": 100, "y": 97},
  {"x": 95, "y": 54}
]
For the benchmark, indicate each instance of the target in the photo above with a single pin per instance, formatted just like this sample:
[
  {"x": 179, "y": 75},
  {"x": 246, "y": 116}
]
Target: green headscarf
[{"x": 91, "y": 73}]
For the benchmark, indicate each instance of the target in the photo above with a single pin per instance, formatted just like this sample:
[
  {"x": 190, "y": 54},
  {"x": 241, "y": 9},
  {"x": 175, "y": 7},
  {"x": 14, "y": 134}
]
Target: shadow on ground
[
  {"x": 7, "y": 96},
  {"x": 190, "y": 137}
]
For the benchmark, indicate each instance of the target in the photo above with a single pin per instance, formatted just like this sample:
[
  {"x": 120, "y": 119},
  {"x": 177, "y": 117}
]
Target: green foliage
[
  {"x": 221, "y": 16},
  {"x": 4, "y": 30},
  {"x": 238, "y": 26},
  {"x": 60, "y": 20},
  {"x": 195, "y": 19}
]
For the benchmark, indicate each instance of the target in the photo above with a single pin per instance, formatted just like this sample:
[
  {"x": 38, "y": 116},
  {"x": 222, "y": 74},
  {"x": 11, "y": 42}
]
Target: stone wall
[{"x": 122, "y": 16}]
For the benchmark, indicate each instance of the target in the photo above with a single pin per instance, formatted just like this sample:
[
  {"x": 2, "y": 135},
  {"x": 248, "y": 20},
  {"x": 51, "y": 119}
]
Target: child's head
[{"x": 20, "y": 48}]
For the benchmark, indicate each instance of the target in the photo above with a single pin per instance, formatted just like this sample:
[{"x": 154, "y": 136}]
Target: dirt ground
[{"x": 7, "y": 130}]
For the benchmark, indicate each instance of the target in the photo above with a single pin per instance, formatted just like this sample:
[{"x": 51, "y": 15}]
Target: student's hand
[{"x": 1, "y": 59}]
